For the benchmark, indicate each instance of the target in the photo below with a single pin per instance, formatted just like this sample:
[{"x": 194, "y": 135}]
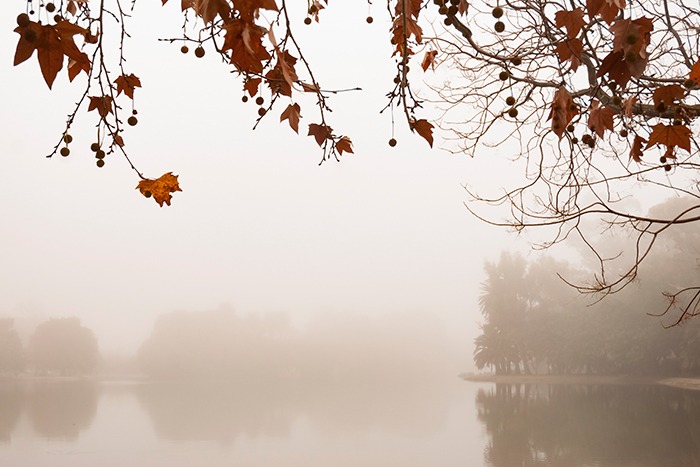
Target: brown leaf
[
  {"x": 570, "y": 50},
  {"x": 344, "y": 145},
  {"x": 636, "y": 151},
  {"x": 292, "y": 114},
  {"x": 463, "y": 7},
  {"x": 600, "y": 118},
  {"x": 425, "y": 129},
  {"x": 251, "y": 85},
  {"x": 428, "y": 60},
  {"x": 606, "y": 9},
  {"x": 309, "y": 87},
  {"x": 103, "y": 105},
  {"x": 695, "y": 72},
  {"x": 670, "y": 136},
  {"x": 665, "y": 95},
  {"x": 50, "y": 55},
  {"x": 571, "y": 20},
  {"x": 320, "y": 132},
  {"x": 563, "y": 110},
  {"x": 160, "y": 188},
  {"x": 616, "y": 68},
  {"x": 118, "y": 140},
  {"x": 628, "y": 106},
  {"x": 127, "y": 84}
]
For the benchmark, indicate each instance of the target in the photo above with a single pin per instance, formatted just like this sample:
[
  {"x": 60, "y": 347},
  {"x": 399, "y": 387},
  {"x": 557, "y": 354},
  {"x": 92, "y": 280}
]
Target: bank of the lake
[{"x": 678, "y": 382}]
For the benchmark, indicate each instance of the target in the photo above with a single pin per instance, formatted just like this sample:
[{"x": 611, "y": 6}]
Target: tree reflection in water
[
  {"x": 577, "y": 425},
  {"x": 11, "y": 402},
  {"x": 62, "y": 409}
]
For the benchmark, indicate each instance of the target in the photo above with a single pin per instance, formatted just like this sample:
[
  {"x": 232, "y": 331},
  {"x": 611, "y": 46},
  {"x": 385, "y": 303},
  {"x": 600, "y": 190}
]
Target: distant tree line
[
  {"x": 533, "y": 322},
  {"x": 58, "y": 346}
]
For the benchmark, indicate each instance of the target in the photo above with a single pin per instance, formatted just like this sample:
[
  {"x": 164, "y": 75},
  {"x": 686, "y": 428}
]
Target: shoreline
[{"x": 676, "y": 382}]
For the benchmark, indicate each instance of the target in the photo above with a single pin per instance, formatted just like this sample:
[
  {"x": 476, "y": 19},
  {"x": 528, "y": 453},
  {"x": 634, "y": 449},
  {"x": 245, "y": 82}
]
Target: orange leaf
[
  {"x": 695, "y": 72},
  {"x": 103, "y": 105},
  {"x": 670, "y": 136},
  {"x": 160, "y": 188},
  {"x": 636, "y": 151},
  {"x": 665, "y": 95},
  {"x": 571, "y": 20},
  {"x": 600, "y": 118},
  {"x": 425, "y": 129},
  {"x": 428, "y": 60},
  {"x": 563, "y": 110},
  {"x": 344, "y": 145},
  {"x": 127, "y": 84},
  {"x": 320, "y": 132},
  {"x": 292, "y": 114}
]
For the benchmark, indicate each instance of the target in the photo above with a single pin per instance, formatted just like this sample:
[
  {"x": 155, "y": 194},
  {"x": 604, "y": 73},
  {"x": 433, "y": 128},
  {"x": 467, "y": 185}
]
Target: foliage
[
  {"x": 598, "y": 99},
  {"x": 64, "y": 346},
  {"x": 11, "y": 352}
]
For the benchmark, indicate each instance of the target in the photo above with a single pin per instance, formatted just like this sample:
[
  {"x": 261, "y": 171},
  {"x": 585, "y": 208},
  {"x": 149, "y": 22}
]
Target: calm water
[{"x": 463, "y": 424}]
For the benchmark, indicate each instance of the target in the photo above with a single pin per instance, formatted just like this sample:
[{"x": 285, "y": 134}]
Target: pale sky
[{"x": 259, "y": 225}]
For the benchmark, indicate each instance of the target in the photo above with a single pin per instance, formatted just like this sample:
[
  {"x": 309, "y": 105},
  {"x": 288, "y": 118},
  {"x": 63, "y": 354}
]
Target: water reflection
[
  {"x": 221, "y": 412},
  {"x": 62, "y": 409},
  {"x": 554, "y": 425},
  {"x": 11, "y": 404}
]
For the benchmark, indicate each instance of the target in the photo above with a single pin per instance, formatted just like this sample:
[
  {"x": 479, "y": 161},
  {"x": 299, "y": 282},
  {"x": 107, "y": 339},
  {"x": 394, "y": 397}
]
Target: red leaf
[
  {"x": 570, "y": 50},
  {"x": 292, "y": 113},
  {"x": 425, "y": 129},
  {"x": 665, "y": 95},
  {"x": 251, "y": 85},
  {"x": 616, "y": 68},
  {"x": 695, "y": 72}
]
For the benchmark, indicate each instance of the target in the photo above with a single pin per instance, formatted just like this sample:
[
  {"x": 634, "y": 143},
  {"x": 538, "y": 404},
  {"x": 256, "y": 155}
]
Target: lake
[{"x": 455, "y": 423}]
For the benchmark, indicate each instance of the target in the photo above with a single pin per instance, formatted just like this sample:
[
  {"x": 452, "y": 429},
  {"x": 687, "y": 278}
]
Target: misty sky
[{"x": 259, "y": 225}]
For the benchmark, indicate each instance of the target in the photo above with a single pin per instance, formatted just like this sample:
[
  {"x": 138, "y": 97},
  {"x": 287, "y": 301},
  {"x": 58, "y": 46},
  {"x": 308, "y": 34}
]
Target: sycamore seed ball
[
  {"x": 510, "y": 100},
  {"x": 499, "y": 26},
  {"x": 392, "y": 142},
  {"x": 497, "y": 12},
  {"x": 199, "y": 52}
]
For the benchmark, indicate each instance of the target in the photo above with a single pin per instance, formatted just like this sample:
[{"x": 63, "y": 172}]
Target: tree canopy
[{"x": 597, "y": 99}]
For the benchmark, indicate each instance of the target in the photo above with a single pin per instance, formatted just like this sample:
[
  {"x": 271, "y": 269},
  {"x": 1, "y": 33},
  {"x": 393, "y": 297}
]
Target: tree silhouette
[
  {"x": 64, "y": 346},
  {"x": 597, "y": 100}
]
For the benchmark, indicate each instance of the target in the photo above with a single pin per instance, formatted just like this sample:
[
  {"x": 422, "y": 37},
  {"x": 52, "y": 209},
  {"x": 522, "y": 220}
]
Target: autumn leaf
[
  {"x": 251, "y": 85},
  {"x": 425, "y": 129},
  {"x": 160, "y": 188},
  {"x": 616, "y": 68},
  {"x": 127, "y": 84},
  {"x": 628, "y": 106},
  {"x": 695, "y": 72},
  {"x": 428, "y": 60},
  {"x": 570, "y": 50},
  {"x": 606, "y": 9},
  {"x": 665, "y": 95},
  {"x": 636, "y": 150},
  {"x": 600, "y": 118},
  {"x": 563, "y": 110},
  {"x": 463, "y": 7},
  {"x": 103, "y": 105},
  {"x": 118, "y": 140},
  {"x": 306, "y": 87},
  {"x": 670, "y": 136},
  {"x": 320, "y": 132},
  {"x": 292, "y": 114},
  {"x": 571, "y": 20},
  {"x": 343, "y": 145}
]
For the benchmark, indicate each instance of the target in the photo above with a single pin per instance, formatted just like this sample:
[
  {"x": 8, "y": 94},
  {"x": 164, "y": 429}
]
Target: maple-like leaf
[
  {"x": 428, "y": 60},
  {"x": 209, "y": 9},
  {"x": 161, "y": 188},
  {"x": 600, "y": 118},
  {"x": 425, "y": 129},
  {"x": 670, "y": 136},
  {"x": 571, "y": 20},
  {"x": 103, "y": 105},
  {"x": 320, "y": 132},
  {"x": 570, "y": 50},
  {"x": 636, "y": 150},
  {"x": 249, "y": 53},
  {"x": 617, "y": 69},
  {"x": 251, "y": 85},
  {"x": 606, "y": 9},
  {"x": 563, "y": 110},
  {"x": 127, "y": 84},
  {"x": 343, "y": 145},
  {"x": 694, "y": 74},
  {"x": 292, "y": 114},
  {"x": 664, "y": 96}
]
